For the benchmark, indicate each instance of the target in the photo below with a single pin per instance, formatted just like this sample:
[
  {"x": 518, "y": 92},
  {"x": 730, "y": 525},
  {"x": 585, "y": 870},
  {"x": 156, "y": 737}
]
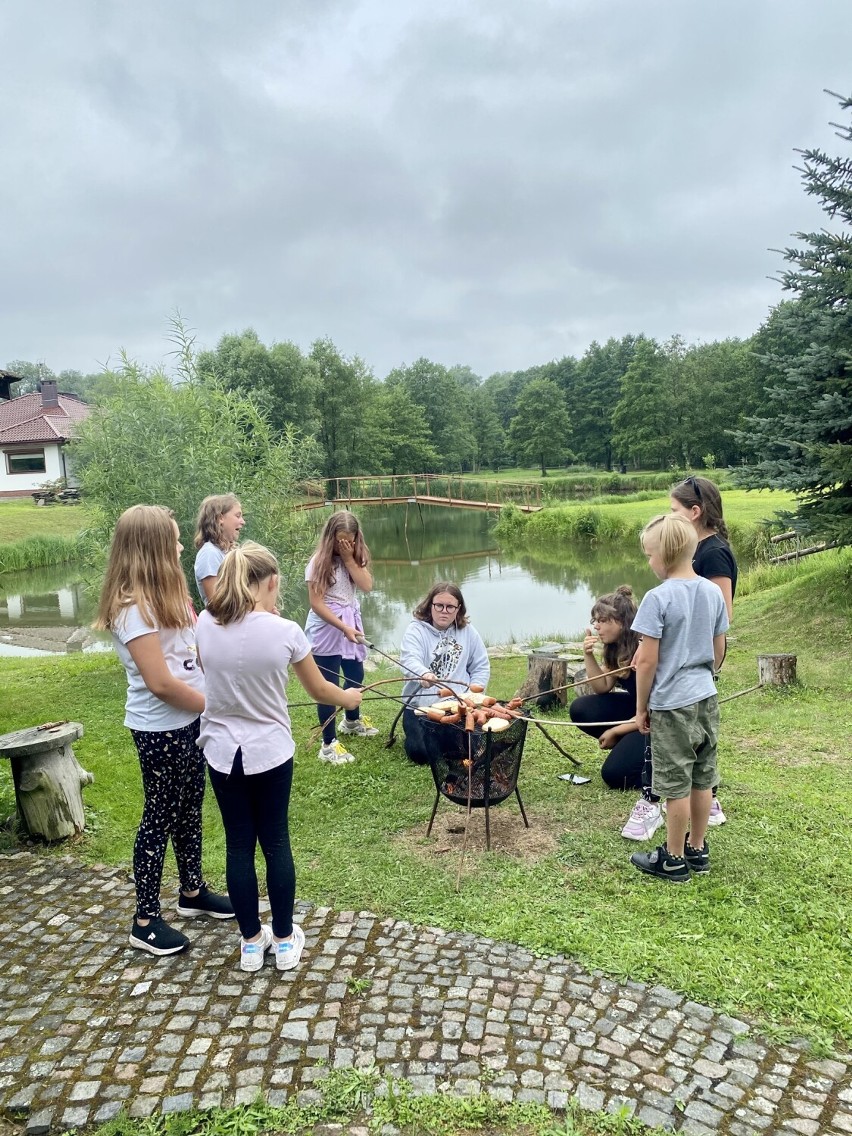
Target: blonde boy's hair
[
  {"x": 242, "y": 569},
  {"x": 675, "y": 537}
]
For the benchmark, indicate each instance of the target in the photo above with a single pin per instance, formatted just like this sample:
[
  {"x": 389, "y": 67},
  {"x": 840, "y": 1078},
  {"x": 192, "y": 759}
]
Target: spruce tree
[{"x": 803, "y": 440}]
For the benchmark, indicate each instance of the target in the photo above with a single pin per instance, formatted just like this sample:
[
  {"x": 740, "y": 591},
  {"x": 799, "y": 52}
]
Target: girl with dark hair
[
  {"x": 246, "y": 649},
  {"x": 440, "y": 646},
  {"x": 614, "y": 699},
  {"x": 337, "y": 571}
]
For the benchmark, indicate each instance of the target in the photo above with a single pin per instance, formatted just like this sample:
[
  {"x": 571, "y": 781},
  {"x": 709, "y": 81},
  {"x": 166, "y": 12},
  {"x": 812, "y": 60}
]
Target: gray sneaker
[{"x": 335, "y": 753}]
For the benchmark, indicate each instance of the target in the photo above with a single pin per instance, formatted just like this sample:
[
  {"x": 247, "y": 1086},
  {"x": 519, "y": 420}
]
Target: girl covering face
[{"x": 337, "y": 571}]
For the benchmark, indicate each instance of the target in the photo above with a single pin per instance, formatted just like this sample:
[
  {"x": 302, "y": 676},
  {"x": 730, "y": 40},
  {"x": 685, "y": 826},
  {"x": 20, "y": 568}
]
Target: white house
[{"x": 33, "y": 431}]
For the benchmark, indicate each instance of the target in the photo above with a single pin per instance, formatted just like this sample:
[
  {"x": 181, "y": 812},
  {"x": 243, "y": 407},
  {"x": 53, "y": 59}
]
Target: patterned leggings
[{"x": 173, "y": 773}]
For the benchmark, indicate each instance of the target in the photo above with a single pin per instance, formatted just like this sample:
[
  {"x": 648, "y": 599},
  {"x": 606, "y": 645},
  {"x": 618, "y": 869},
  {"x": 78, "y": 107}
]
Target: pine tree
[{"x": 803, "y": 441}]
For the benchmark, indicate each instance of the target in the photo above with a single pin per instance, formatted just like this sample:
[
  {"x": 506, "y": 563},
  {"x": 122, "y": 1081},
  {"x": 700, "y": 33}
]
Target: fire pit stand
[{"x": 477, "y": 769}]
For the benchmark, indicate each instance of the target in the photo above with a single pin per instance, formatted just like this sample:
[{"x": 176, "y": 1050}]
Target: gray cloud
[{"x": 494, "y": 184}]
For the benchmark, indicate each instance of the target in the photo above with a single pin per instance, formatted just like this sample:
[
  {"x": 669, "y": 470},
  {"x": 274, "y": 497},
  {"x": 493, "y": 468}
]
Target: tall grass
[{"x": 41, "y": 552}]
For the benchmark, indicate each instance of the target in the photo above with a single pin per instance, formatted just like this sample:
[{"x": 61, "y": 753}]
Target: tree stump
[
  {"x": 776, "y": 670},
  {"x": 48, "y": 779},
  {"x": 545, "y": 669}
]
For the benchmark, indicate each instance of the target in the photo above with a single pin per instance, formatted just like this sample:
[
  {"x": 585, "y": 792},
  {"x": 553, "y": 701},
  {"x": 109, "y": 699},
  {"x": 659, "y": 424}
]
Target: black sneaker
[
  {"x": 697, "y": 859},
  {"x": 659, "y": 863},
  {"x": 157, "y": 938},
  {"x": 205, "y": 903}
]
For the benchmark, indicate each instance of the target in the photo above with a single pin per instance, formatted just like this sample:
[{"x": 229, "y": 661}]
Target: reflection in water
[{"x": 511, "y": 595}]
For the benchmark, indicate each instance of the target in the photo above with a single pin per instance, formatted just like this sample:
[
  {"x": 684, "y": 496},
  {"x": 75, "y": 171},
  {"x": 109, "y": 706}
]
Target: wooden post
[
  {"x": 544, "y": 671},
  {"x": 48, "y": 779},
  {"x": 776, "y": 670}
]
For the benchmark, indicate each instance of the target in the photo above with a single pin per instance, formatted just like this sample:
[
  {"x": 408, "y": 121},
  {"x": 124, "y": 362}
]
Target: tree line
[{"x": 630, "y": 402}]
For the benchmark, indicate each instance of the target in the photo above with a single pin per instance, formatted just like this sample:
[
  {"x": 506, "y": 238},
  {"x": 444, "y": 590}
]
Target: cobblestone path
[{"x": 89, "y": 1026}]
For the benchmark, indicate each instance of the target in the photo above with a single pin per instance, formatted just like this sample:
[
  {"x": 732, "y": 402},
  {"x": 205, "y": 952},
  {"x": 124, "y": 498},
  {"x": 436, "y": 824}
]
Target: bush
[{"x": 155, "y": 441}]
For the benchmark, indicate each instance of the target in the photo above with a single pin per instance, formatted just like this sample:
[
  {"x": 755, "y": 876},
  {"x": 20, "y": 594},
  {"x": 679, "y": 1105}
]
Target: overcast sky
[{"x": 488, "y": 182}]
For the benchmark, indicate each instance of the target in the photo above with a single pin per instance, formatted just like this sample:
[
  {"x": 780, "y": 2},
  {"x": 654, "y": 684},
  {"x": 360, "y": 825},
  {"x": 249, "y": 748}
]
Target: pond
[{"x": 512, "y": 596}]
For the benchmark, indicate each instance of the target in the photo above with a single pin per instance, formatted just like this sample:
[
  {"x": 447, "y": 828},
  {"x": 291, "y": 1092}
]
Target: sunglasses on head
[{"x": 692, "y": 482}]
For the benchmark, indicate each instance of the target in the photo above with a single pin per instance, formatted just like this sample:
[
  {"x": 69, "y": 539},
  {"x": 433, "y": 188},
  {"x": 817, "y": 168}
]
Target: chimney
[{"x": 49, "y": 394}]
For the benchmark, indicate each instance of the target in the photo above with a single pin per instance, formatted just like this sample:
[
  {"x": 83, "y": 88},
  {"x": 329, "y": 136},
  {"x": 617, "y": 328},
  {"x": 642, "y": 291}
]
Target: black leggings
[
  {"x": 625, "y": 764},
  {"x": 330, "y": 667},
  {"x": 173, "y": 782},
  {"x": 254, "y": 811}
]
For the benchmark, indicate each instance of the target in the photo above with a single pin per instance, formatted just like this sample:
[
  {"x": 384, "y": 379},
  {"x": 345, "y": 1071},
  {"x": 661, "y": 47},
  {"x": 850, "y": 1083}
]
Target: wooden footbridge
[{"x": 423, "y": 489}]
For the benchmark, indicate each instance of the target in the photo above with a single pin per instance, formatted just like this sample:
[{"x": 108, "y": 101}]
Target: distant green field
[{"x": 22, "y": 518}]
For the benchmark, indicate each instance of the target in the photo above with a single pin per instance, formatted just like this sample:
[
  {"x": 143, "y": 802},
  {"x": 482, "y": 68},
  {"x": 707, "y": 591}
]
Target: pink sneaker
[
  {"x": 717, "y": 817},
  {"x": 644, "y": 820}
]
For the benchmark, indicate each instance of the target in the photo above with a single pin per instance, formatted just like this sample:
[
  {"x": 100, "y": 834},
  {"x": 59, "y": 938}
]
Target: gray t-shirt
[
  {"x": 208, "y": 561},
  {"x": 685, "y": 615}
]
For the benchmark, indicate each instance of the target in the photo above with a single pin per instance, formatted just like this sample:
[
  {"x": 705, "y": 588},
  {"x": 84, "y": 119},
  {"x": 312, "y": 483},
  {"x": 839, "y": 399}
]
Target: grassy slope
[
  {"x": 766, "y": 933},
  {"x": 21, "y": 519},
  {"x": 742, "y": 507}
]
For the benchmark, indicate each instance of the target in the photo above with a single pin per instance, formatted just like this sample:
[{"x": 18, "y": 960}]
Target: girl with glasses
[{"x": 440, "y": 646}]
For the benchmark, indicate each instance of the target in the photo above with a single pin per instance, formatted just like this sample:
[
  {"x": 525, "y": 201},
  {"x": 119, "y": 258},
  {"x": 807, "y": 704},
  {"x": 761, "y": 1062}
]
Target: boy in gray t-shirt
[{"x": 682, "y": 623}]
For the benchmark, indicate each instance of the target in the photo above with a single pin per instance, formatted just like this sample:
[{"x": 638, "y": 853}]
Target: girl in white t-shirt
[
  {"x": 246, "y": 647},
  {"x": 337, "y": 571},
  {"x": 145, "y": 604},
  {"x": 220, "y": 519}
]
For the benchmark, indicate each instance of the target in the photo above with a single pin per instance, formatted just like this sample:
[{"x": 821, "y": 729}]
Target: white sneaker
[
  {"x": 717, "y": 817},
  {"x": 251, "y": 954},
  {"x": 288, "y": 953},
  {"x": 644, "y": 820},
  {"x": 335, "y": 753},
  {"x": 363, "y": 727}
]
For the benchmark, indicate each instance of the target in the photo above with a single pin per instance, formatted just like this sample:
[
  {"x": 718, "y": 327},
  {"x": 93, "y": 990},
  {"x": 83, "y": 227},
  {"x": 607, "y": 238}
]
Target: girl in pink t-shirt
[{"x": 246, "y": 648}]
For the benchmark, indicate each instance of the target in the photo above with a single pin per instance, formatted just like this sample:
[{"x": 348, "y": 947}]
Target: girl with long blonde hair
[
  {"x": 246, "y": 648},
  {"x": 145, "y": 604}
]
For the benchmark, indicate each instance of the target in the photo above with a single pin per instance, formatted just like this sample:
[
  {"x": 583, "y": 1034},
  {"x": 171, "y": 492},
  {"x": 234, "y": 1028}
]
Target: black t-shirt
[
  {"x": 627, "y": 683},
  {"x": 713, "y": 557}
]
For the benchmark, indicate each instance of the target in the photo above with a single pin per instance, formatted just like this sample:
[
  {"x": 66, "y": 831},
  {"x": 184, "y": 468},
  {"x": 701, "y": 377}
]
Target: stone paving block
[{"x": 442, "y": 1009}]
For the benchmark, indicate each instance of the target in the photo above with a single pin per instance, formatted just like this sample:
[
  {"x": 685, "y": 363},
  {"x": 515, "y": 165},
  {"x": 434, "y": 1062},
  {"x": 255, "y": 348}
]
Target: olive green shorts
[{"x": 683, "y": 744}]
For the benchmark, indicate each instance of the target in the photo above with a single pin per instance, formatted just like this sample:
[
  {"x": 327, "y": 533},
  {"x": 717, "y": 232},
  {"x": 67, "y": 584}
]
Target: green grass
[
  {"x": 358, "y": 1096},
  {"x": 22, "y": 518},
  {"x": 746, "y": 514},
  {"x": 766, "y": 934},
  {"x": 33, "y": 536}
]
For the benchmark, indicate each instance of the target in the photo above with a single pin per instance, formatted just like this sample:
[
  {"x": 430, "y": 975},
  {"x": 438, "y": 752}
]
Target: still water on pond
[{"x": 511, "y": 595}]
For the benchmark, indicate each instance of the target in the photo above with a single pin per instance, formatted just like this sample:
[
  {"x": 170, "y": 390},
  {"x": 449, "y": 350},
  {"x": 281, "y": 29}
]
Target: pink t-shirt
[{"x": 245, "y": 669}]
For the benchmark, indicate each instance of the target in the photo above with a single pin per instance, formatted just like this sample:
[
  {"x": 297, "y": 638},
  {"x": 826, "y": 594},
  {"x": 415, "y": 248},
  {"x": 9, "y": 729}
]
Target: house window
[{"x": 25, "y": 461}]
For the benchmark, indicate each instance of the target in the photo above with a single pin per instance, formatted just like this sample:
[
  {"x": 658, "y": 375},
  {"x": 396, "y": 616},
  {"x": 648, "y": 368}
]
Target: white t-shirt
[
  {"x": 245, "y": 665},
  {"x": 208, "y": 561},
  {"x": 342, "y": 589},
  {"x": 143, "y": 710}
]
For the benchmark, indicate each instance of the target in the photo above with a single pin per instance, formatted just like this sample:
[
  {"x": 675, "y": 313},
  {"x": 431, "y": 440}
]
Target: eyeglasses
[
  {"x": 448, "y": 608},
  {"x": 693, "y": 483}
]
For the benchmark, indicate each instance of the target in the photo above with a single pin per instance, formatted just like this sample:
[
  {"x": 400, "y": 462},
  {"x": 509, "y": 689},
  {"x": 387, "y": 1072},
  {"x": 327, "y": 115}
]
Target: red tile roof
[{"x": 25, "y": 419}]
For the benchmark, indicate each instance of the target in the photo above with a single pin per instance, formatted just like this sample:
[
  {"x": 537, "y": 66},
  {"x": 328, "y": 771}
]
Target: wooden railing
[{"x": 431, "y": 489}]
